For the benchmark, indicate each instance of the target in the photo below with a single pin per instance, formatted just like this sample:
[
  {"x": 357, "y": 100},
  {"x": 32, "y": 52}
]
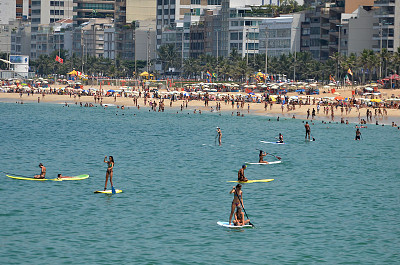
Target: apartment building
[
  {"x": 45, "y": 13},
  {"x": 387, "y": 25}
]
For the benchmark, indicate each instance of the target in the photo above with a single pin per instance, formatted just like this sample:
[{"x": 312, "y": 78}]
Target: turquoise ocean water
[{"x": 334, "y": 201}]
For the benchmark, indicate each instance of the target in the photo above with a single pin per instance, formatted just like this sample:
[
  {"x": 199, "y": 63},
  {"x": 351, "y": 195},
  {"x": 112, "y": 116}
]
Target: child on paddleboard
[{"x": 239, "y": 217}]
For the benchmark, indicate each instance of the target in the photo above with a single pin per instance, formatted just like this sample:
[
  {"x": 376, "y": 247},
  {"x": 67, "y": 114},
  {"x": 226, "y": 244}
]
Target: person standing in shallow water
[
  {"x": 109, "y": 173},
  {"x": 358, "y": 135},
  {"x": 219, "y": 135}
]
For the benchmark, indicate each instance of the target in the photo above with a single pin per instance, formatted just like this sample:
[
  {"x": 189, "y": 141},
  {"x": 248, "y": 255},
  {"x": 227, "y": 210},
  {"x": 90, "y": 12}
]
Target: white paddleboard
[
  {"x": 265, "y": 142},
  {"x": 269, "y": 163},
  {"x": 226, "y": 224},
  {"x": 107, "y": 191}
]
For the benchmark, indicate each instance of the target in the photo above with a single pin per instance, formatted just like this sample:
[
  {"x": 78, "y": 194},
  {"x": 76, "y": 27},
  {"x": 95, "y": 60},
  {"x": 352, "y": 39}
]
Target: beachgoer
[
  {"x": 109, "y": 173},
  {"x": 358, "y": 135},
  {"x": 42, "y": 172},
  {"x": 219, "y": 135},
  {"x": 308, "y": 130},
  {"x": 261, "y": 157},
  {"x": 239, "y": 217},
  {"x": 59, "y": 176},
  {"x": 241, "y": 176},
  {"x": 237, "y": 199}
]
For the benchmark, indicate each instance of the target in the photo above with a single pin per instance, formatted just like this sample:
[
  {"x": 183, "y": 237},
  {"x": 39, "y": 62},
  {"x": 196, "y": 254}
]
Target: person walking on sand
[
  {"x": 308, "y": 130},
  {"x": 109, "y": 173},
  {"x": 42, "y": 172},
  {"x": 219, "y": 135},
  {"x": 237, "y": 199}
]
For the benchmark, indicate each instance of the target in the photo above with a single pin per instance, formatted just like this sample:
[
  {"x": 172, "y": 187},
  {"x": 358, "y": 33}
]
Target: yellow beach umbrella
[
  {"x": 73, "y": 72},
  {"x": 377, "y": 100},
  {"x": 144, "y": 74}
]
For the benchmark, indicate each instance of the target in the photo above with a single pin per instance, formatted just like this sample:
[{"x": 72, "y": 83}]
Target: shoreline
[{"x": 393, "y": 115}]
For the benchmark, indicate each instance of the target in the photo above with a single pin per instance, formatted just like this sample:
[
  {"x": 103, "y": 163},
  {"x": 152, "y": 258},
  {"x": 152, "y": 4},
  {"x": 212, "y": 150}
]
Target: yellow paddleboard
[
  {"x": 80, "y": 177},
  {"x": 252, "y": 181}
]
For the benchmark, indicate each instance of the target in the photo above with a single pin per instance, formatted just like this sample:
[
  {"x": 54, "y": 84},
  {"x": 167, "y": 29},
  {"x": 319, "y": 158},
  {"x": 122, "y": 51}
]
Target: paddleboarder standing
[
  {"x": 237, "y": 200},
  {"x": 308, "y": 130},
  {"x": 109, "y": 173}
]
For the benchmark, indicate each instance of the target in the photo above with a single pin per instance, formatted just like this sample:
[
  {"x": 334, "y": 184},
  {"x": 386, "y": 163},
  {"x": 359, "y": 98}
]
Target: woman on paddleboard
[
  {"x": 237, "y": 199},
  {"x": 110, "y": 167},
  {"x": 261, "y": 157},
  {"x": 42, "y": 172}
]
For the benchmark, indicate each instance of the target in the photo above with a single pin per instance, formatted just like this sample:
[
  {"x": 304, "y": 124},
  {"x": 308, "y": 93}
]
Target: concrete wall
[
  {"x": 360, "y": 32},
  {"x": 7, "y": 11}
]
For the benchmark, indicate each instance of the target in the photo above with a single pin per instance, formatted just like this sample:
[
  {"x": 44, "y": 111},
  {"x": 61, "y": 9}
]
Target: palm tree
[{"x": 168, "y": 57}]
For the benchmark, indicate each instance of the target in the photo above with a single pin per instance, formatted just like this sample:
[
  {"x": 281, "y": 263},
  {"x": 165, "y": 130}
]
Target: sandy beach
[{"x": 300, "y": 112}]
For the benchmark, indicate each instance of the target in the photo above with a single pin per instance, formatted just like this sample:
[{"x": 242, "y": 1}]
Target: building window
[
  {"x": 195, "y": 2},
  {"x": 56, "y": 3},
  {"x": 213, "y": 2},
  {"x": 57, "y": 12}
]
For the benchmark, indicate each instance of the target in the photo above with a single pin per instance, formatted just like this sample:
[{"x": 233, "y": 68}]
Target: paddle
[
  {"x": 112, "y": 189},
  {"x": 277, "y": 157},
  {"x": 244, "y": 209}
]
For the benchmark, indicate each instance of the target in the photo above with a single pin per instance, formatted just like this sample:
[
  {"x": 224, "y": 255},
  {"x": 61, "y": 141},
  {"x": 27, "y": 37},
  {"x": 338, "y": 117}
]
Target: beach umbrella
[
  {"x": 339, "y": 98},
  {"x": 377, "y": 100},
  {"x": 111, "y": 90}
]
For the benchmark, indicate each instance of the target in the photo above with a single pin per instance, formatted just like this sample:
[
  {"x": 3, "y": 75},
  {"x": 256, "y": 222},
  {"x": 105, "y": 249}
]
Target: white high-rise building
[
  {"x": 7, "y": 11},
  {"x": 45, "y": 12}
]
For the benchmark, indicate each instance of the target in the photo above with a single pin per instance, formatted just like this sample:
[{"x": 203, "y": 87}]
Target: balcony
[{"x": 380, "y": 3}]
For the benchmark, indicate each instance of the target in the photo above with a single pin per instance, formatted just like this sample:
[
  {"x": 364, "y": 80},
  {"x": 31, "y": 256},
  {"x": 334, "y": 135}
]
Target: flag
[
  {"x": 214, "y": 75},
  {"x": 347, "y": 80},
  {"x": 209, "y": 73},
  {"x": 350, "y": 72},
  {"x": 331, "y": 78},
  {"x": 59, "y": 59}
]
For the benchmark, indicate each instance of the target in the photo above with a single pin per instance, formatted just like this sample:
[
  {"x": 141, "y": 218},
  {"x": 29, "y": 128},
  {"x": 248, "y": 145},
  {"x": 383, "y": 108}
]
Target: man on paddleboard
[
  {"x": 308, "y": 130},
  {"x": 241, "y": 176},
  {"x": 280, "y": 138},
  {"x": 42, "y": 172}
]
